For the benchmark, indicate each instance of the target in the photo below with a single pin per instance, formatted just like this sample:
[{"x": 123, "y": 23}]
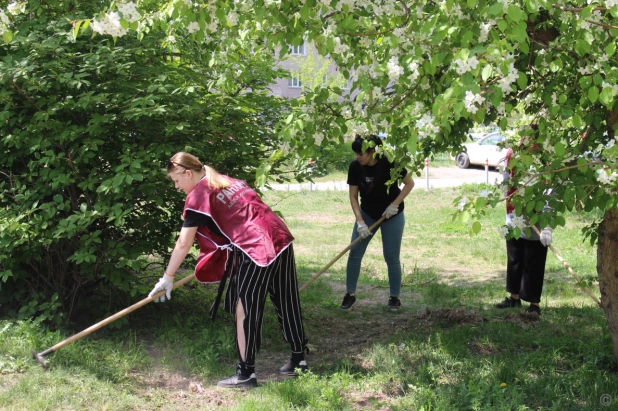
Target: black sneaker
[
  {"x": 291, "y": 369},
  {"x": 394, "y": 304},
  {"x": 533, "y": 309},
  {"x": 509, "y": 303},
  {"x": 239, "y": 381},
  {"x": 348, "y": 301}
]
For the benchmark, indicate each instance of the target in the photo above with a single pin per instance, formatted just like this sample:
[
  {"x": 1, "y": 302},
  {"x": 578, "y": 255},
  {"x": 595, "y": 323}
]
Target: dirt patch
[
  {"x": 6, "y": 382},
  {"x": 450, "y": 316},
  {"x": 523, "y": 319},
  {"x": 184, "y": 392}
]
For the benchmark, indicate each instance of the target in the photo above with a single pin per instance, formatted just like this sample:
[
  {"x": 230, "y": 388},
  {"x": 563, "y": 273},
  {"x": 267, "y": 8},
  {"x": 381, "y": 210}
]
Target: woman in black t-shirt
[{"x": 367, "y": 176}]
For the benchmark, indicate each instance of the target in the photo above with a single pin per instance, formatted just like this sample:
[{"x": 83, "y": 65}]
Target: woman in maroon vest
[{"x": 241, "y": 238}]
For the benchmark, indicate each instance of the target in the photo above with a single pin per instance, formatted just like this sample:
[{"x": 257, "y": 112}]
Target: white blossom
[
  {"x": 188, "y": 3},
  {"x": 485, "y": 29},
  {"x": 232, "y": 18},
  {"x": 611, "y": 3},
  {"x": 193, "y": 27},
  {"x": 377, "y": 93},
  {"x": 394, "y": 69},
  {"x": 503, "y": 231},
  {"x": 471, "y": 100},
  {"x": 414, "y": 73},
  {"x": 346, "y": 113},
  {"x": 129, "y": 12},
  {"x": 604, "y": 176},
  {"x": 109, "y": 24},
  {"x": 465, "y": 66},
  {"x": 519, "y": 222},
  {"x": 171, "y": 39},
  {"x": 318, "y": 138},
  {"x": 426, "y": 126},
  {"x": 16, "y": 8},
  {"x": 4, "y": 22},
  {"x": 340, "y": 48},
  {"x": 462, "y": 203},
  {"x": 505, "y": 82}
]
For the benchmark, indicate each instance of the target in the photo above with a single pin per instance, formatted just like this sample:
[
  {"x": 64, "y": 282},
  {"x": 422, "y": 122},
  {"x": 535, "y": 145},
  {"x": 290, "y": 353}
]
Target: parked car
[{"x": 484, "y": 149}]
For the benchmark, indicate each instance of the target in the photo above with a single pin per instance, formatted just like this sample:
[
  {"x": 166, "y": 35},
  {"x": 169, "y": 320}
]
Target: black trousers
[
  {"x": 525, "y": 269},
  {"x": 250, "y": 284}
]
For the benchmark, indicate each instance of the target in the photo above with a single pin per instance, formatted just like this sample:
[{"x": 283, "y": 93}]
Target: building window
[
  {"x": 298, "y": 50},
  {"x": 294, "y": 82}
]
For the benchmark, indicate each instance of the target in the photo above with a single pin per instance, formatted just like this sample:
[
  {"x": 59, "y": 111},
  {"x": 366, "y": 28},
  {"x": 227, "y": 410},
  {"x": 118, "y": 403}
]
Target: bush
[{"x": 86, "y": 129}]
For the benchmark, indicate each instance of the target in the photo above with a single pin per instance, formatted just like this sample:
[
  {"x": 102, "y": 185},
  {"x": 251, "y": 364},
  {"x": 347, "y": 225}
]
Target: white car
[{"x": 484, "y": 149}]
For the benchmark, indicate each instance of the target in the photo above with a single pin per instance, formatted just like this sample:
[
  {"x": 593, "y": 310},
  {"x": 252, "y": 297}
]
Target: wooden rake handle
[
  {"x": 115, "y": 316},
  {"x": 338, "y": 256},
  {"x": 568, "y": 267}
]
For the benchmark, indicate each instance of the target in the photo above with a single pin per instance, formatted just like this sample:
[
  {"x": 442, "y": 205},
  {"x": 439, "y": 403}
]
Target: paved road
[{"x": 439, "y": 177}]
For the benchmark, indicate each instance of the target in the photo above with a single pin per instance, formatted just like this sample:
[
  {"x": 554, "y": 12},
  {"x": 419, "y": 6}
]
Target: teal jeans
[{"x": 392, "y": 233}]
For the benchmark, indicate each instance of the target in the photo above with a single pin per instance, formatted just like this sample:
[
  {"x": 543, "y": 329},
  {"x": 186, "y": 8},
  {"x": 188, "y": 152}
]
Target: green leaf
[
  {"x": 529, "y": 206},
  {"x": 577, "y": 120},
  {"x": 514, "y": 12},
  {"x": 607, "y": 97},
  {"x": 555, "y": 65},
  {"x": 7, "y": 36},
  {"x": 582, "y": 47},
  {"x": 587, "y": 11},
  {"x": 560, "y": 149},
  {"x": 522, "y": 80},
  {"x": 610, "y": 50},
  {"x": 476, "y": 227},
  {"x": 480, "y": 203},
  {"x": 487, "y": 72},
  {"x": 76, "y": 26},
  {"x": 496, "y": 9},
  {"x": 593, "y": 94},
  {"x": 411, "y": 144}
]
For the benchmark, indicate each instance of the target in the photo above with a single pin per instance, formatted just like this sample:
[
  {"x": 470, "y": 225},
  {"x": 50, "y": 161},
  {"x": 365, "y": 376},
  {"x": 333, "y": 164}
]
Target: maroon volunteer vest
[{"x": 244, "y": 220}]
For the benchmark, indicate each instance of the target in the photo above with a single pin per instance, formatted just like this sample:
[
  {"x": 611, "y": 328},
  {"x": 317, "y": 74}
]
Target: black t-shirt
[
  {"x": 195, "y": 219},
  {"x": 371, "y": 186}
]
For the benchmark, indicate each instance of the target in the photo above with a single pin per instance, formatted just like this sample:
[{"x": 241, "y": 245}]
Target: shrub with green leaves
[{"x": 87, "y": 126}]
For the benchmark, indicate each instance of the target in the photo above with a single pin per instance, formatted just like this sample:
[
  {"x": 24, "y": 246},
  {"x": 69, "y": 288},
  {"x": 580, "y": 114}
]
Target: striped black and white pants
[{"x": 249, "y": 284}]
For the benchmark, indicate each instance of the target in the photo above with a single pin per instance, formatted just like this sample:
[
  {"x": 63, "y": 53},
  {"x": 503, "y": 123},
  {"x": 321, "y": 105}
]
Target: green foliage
[{"x": 86, "y": 128}]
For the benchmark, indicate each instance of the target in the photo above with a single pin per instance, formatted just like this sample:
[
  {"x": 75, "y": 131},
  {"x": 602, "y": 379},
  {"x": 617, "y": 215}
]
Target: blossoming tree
[{"x": 426, "y": 71}]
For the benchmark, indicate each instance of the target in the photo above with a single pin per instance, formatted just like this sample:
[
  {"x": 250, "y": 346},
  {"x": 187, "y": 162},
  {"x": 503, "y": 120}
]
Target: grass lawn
[{"x": 446, "y": 349}]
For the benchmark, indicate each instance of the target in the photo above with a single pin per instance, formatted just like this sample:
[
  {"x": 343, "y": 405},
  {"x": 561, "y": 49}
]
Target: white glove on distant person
[
  {"x": 166, "y": 283},
  {"x": 546, "y": 236},
  {"x": 390, "y": 211},
  {"x": 362, "y": 229}
]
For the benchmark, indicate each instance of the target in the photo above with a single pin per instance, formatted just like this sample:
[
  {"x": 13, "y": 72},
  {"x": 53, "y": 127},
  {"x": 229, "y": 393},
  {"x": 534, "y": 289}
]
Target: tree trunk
[{"x": 607, "y": 268}]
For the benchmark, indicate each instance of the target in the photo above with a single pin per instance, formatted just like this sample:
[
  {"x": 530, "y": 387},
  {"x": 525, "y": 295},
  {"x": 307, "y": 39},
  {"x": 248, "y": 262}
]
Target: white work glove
[
  {"x": 390, "y": 211},
  {"x": 546, "y": 236},
  {"x": 362, "y": 229},
  {"x": 166, "y": 283}
]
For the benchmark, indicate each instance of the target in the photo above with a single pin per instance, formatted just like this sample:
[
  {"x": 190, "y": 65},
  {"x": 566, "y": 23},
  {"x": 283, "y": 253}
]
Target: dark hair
[{"x": 357, "y": 144}]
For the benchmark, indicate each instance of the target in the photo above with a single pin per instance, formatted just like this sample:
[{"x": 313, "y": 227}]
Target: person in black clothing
[{"x": 367, "y": 176}]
